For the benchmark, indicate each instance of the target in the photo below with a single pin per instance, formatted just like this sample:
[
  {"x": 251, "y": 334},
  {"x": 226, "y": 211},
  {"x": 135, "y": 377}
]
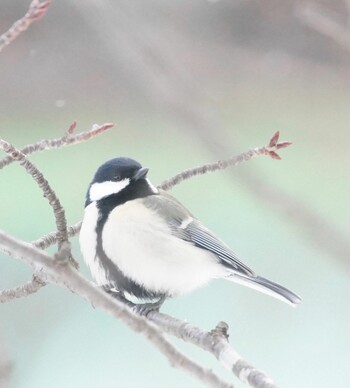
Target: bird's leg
[
  {"x": 145, "y": 308},
  {"x": 142, "y": 308},
  {"x": 119, "y": 296}
]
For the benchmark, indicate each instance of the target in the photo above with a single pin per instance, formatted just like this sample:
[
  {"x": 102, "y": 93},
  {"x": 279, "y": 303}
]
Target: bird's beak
[{"x": 141, "y": 173}]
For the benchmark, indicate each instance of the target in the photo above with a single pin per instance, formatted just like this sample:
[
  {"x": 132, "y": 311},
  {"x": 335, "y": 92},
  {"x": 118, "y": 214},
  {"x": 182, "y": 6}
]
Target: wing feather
[
  {"x": 204, "y": 238},
  {"x": 183, "y": 225}
]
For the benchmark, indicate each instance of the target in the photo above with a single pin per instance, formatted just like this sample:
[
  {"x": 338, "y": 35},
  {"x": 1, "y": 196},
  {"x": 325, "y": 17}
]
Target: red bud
[
  {"x": 72, "y": 128},
  {"x": 274, "y": 155},
  {"x": 274, "y": 139},
  {"x": 283, "y": 144}
]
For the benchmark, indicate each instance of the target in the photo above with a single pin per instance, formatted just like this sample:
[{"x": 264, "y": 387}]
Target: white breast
[
  {"x": 88, "y": 243},
  {"x": 139, "y": 241}
]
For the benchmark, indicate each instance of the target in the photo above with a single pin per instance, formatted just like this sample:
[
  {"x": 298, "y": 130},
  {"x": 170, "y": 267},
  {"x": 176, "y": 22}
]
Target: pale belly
[{"x": 137, "y": 240}]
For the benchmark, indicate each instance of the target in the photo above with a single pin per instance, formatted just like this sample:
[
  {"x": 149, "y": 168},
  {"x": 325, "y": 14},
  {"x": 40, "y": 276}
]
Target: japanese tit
[{"x": 139, "y": 241}]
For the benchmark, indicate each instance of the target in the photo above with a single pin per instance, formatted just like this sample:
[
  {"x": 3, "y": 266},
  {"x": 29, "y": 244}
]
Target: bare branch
[
  {"x": 43, "y": 184},
  {"x": 317, "y": 18},
  {"x": 67, "y": 139},
  {"x": 35, "y": 12},
  {"x": 269, "y": 150},
  {"x": 25, "y": 290},
  {"x": 37, "y": 282},
  {"x": 51, "y": 238},
  {"x": 216, "y": 343},
  {"x": 67, "y": 276},
  {"x": 38, "y": 279}
]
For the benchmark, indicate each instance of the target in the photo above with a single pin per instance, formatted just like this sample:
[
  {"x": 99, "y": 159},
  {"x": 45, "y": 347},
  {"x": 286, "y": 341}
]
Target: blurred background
[{"x": 186, "y": 83}]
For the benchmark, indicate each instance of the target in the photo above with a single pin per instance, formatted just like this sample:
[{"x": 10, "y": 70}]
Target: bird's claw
[
  {"x": 142, "y": 309},
  {"x": 145, "y": 308}
]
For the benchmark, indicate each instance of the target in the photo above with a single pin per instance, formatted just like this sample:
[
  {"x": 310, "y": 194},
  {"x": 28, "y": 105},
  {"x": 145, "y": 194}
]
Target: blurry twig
[
  {"x": 316, "y": 17},
  {"x": 68, "y": 277},
  {"x": 269, "y": 150},
  {"x": 27, "y": 289},
  {"x": 67, "y": 139},
  {"x": 35, "y": 12},
  {"x": 309, "y": 224}
]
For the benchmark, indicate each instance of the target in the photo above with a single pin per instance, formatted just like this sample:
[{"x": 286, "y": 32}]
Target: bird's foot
[
  {"x": 145, "y": 308},
  {"x": 142, "y": 309},
  {"x": 119, "y": 296}
]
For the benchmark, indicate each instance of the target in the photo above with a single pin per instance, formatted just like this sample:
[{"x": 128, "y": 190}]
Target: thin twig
[
  {"x": 216, "y": 343},
  {"x": 67, "y": 276},
  {"x": 50, "y": 239},
  {"x": 26, "y": 289},
  {"x": 67, "y": 139},
  {"x": 35, "y": 12},
  {"x": 269, "y": 150},
  {"x": 59, "y": 213}
]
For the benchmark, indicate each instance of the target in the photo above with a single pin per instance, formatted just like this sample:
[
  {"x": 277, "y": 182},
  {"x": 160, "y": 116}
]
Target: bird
[{"x": 141, "y": 243}]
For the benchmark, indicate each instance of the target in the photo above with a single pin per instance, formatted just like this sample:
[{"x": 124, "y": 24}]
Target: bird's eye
[{"x": 117, "y": 178}]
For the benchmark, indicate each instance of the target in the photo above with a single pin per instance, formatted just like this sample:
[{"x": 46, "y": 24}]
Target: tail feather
[{"x": 266, "y": 286}]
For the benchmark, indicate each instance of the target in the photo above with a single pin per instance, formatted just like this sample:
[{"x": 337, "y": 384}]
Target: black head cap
[
  {"x": 117, "y": 169},
  {"x": 123, "y": 179}
]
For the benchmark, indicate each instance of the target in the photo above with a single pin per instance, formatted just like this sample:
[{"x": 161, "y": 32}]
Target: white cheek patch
[{"x": 104, "y": 189}]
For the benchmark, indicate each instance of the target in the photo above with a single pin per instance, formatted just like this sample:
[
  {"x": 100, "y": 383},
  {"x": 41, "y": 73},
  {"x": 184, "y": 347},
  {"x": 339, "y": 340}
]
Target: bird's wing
[
  {"x": 183, "y": 225},
  {"x": 205, "y": 239}
]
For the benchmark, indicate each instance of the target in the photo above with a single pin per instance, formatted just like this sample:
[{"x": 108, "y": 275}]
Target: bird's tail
[{"x": 266, "y": 286}]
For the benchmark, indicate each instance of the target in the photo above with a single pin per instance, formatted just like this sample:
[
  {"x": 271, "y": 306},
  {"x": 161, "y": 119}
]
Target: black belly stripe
[
  {"x": 116, "y": 278},
  {"x": 114, "y": 275}
]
